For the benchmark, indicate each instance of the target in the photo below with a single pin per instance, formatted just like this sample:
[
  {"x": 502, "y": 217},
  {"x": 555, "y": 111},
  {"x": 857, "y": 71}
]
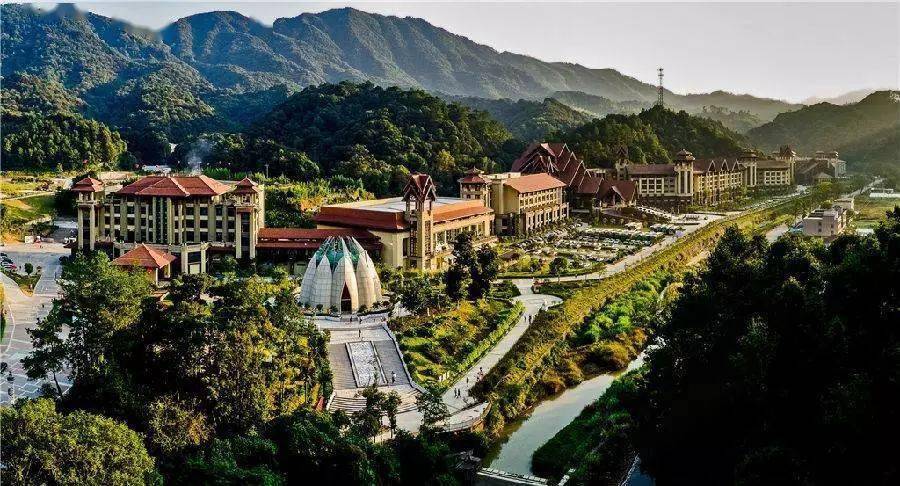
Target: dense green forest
[
  {"x": 194, "y": 390},
  {"x": 381, "y": 135},
  {"x": 653, "y": 136},
  {"x": 43, "y": 130},
  {"x": 788, "y": 384},
  {"x": 528, "y": 120}
]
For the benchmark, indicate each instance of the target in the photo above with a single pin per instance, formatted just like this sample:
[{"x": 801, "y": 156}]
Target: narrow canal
[{"x": 512, "y": 452}]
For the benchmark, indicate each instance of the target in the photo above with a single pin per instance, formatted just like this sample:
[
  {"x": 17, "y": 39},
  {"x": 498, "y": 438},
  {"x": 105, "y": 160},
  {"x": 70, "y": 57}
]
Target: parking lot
[{"x": 23, "y": 312}]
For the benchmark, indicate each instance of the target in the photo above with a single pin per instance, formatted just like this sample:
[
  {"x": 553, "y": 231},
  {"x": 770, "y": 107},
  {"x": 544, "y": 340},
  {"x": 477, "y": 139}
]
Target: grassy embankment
[
  {"x": 16, "y": 213},
  {"x": 447, "y": 344},
  {"x": 602, "y": 422},
  {"x": 870, "y": 212},
  {"x": 519, "y": 380}
]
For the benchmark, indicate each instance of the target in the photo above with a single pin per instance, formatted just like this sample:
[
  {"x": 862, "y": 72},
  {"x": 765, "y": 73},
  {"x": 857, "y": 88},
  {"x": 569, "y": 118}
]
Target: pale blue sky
[{"x": 780, "y": 50}]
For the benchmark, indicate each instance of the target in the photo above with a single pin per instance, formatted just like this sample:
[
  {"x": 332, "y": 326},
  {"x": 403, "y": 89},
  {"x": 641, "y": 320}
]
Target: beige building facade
[
  {"x": 185, "y": 216},
  {"x": 416, "y": 230}
]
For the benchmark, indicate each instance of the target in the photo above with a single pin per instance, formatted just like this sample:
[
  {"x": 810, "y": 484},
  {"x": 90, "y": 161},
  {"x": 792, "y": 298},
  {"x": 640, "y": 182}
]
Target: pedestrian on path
[{"x": 393, "y": 377}]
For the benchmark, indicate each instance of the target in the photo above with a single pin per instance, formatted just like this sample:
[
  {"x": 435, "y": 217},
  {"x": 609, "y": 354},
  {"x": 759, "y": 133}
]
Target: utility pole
[{"x": 659, "y": 100}]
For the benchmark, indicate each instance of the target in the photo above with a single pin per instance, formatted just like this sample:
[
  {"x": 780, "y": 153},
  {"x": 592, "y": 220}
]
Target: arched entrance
[{"x": 346, "y": 303}]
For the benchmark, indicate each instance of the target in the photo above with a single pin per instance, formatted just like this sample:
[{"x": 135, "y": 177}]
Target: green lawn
[
  {"x": 18, "y": 211},
  {"x": 869, "y": 212}
]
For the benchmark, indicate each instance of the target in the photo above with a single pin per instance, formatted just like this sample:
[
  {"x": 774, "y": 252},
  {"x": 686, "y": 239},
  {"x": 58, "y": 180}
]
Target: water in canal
[{"x": 521, "y": 438}]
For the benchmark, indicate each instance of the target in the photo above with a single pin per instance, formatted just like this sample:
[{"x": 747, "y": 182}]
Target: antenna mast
[{"x": 659, "y": 100}]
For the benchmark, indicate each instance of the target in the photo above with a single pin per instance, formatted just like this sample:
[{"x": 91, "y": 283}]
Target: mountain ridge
[{"x": 238, "y": 53}]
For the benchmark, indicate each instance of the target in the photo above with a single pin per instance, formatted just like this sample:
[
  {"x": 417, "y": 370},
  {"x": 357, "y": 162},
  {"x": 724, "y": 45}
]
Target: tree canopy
[
  {"x": 776, "y": 366},
  {"x": 44, "y": 446}
]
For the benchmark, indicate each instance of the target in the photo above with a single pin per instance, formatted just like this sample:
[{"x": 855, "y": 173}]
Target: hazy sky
[{"x": 781, "y": 50}]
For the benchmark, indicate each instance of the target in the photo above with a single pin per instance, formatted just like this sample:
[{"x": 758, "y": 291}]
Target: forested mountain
[
  {"x": 118, "y": 67},
  {"x": 598, "y": 105},
  {"x": 528, "y": 120},
  {"x": 42, "y": 129},
  {"x": 864, "y": 131},
  {"x": 653, "y": 136},
  {"x": 364, "y": 131},
  {"x": 739, "y": 121}
]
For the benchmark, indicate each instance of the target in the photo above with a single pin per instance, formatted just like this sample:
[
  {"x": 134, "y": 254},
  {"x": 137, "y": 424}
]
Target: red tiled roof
[
  {"x": 590, "y": 185},
  {"x": 627, "y": 190},
  {"x": 144, "y": 256},
  {"x": 312, "y": 234},
  {"x": 473, "y": 176},
  {"x": 178, "y": 186},
  {"x": 534, "y": 182},
  {"x": 88, "y": 184},
  {"x": 361, "y": 218},
  {"x": 651, "y": 169},
  {"x": 420, "y": 186},
  {"x": 454, "y": 212}
]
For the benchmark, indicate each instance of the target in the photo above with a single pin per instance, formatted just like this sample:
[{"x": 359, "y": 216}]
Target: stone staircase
[
  {"x": 349, "y": 402},
  {"x": 391, "y": 362},
  {"x": 341, "y": 370}
]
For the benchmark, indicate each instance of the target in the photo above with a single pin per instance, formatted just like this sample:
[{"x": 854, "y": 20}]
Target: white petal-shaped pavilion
[{"x": 340, "y": 275}]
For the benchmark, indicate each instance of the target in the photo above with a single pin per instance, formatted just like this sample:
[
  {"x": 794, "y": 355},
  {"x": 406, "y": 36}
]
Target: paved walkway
[
  {"x": 24, "y": 311},
  {"x": 533, "y": 303}
]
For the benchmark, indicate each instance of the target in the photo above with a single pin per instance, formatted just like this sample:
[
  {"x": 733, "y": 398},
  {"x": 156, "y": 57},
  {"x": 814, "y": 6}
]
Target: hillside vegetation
[
  {"x": 220, "y": 71},
  {"x": 864, "y": 132},
  {"x": 529, "y": 120},
  {"x": 653, "y": 136}
]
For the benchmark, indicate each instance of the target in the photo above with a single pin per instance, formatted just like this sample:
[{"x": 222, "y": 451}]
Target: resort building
[
  {"x": 415, "y": 230},
  {"x": 184, "y": 216},
  {"x": 523, "y": 204},
  {"x": 824, "y": 167},
  {"x": 585, "y": 189},
  {"x": 687, "y": 181},
  {"x": 340, "y": 276}
]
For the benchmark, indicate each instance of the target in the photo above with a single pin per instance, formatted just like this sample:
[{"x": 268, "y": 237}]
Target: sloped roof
[
  {"x": 627, "y": 190},
  {"x": 473, "y": 176},
  {"x": 772, "y": 164},
  {"x": 178, "y": 186},
  {"x": 534, "y": 182},
  {"x": 144, "y": 256},
  {"x": 651, "y": 169},
  {"x": 88, "y": 184},
  {"x": 245, "y": 186},
  {"x": 420, "y": 186},
  {"x": 462, "y": 211}
]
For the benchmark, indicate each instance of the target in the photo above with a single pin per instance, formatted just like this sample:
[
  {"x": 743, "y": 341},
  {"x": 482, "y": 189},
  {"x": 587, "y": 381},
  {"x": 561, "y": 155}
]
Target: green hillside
[
  {"x": 826, "y": 126},
  {"x": 376, "y": 134},
  {"x": 528, "y": 120},
  {"x": 653, "y": 136}
]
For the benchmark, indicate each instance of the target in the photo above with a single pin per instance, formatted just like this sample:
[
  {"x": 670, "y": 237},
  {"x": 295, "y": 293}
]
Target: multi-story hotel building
[
  {"x": 184, "y": 216},
  {"x": 585, "y": 189},
  {"x": 415, "y": 230},
  {"x": 522, "y": 204},
  {"x": 686, "y": 181}
]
